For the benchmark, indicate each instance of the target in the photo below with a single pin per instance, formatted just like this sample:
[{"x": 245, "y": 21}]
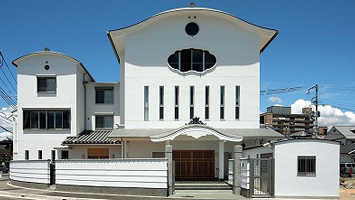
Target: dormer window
[
  {"x": 46, "y": 84},
  {"x": 196, "y": 60}
]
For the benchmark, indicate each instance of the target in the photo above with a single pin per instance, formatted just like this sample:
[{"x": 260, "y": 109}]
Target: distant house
[{"x": 346, "y": 136}]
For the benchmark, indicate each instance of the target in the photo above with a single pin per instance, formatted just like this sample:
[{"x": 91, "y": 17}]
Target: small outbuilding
[{"x": 302, "y": 168}]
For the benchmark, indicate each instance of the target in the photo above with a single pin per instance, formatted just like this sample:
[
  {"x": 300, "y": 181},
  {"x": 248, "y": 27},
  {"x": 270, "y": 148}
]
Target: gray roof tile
[{"x": 91, "y": 137}]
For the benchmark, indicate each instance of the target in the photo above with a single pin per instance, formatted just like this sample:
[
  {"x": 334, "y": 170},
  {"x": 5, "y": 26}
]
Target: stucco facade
[{"x": 195, "y": 111}]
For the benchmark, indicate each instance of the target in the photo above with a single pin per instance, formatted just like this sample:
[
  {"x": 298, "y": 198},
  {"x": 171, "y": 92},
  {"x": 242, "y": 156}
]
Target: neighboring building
[
  {"x": 282, "y": 120},
  {"x": 302, "y": 168},
  {"x": 189, "y": 77},
  {"x": 346, "y": 136}
]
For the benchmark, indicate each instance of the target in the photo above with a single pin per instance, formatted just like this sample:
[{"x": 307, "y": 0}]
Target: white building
[
  {"x": 174, "y": 66},
  {"x": 302, "y": 168}
]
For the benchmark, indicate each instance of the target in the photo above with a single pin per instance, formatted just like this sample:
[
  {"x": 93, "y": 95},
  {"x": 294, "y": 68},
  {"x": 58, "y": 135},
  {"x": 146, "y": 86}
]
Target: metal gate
[{"x": 261, "y": 176}]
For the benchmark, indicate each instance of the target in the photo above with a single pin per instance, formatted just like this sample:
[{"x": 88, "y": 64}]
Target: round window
[
  {"x": 191, "y": 29},
  {"x": 46, "y": 67}
]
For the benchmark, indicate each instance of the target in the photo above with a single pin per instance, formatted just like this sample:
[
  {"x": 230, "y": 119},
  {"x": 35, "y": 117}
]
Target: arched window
[{"x": 192, "y": 60}]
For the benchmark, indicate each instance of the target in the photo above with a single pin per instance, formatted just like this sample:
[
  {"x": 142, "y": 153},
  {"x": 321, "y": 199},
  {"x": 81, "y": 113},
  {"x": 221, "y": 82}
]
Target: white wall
[
  {"x": 32, "y": 171},
  {"x": 69, "y": 95},
  {"x": 326, "y": 181},
  {"x": 145, "y": 64},
  {"x": 143, "y": 148},
  {"x": 92, "y": 107},
  {"x": 137, "y": 173}
]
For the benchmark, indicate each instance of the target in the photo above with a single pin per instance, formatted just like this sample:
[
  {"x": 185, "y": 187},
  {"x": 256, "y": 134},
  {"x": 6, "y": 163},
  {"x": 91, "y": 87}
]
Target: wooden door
[{"x": 194, "y": 164}]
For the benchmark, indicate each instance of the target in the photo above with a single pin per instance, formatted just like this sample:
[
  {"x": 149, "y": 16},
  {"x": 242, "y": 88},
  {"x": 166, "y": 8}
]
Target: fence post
[
  {"x": 237, "y": 171},
  {"x": 169, "y": 156}
]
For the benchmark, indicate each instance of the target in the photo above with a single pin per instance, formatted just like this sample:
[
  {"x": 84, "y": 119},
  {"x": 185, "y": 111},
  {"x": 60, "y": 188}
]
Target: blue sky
[{"x": 315, "y": 45}]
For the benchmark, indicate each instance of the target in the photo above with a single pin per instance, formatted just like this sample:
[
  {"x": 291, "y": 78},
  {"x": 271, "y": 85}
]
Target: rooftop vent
[
  {"x": 192, "y": 4},
  {"x": 46, "y": 49}
]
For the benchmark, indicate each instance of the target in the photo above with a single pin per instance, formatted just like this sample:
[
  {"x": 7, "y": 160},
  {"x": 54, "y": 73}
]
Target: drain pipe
[{"x": 84, "y": 84}]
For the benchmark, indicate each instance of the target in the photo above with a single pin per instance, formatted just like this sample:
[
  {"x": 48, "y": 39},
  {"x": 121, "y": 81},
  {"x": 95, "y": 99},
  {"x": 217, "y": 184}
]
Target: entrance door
[{"x": 194, "y": 164}]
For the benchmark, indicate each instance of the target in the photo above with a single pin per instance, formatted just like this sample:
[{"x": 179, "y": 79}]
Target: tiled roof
[
  {"x": 91, "y": 137},
  {"x": 346, "y": 131}
]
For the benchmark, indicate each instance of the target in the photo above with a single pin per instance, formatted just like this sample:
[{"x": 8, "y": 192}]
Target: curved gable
[
  {"x": 266, "y": 35},
  {"x": 41, "y": 53}
]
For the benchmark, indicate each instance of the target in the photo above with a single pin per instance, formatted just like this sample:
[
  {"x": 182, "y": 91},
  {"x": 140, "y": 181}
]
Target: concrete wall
[
  {"x": 33, "y": 171},
  {"x": 145, "y": 64},
  {"x": 326, "y": 181},
  {"x": 128, "y": 173}
]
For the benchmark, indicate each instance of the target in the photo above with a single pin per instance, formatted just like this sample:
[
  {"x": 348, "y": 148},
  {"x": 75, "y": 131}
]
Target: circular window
[
  {"x": 46, "y": 67},
  {"x": 191, "y": 29}
]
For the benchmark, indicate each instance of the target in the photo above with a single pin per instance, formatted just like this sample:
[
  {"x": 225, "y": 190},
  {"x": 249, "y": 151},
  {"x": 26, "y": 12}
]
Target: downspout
[{"x": 84, "y": 84}]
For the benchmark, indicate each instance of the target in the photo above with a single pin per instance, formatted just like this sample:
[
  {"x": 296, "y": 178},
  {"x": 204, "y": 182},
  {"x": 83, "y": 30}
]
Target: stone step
[{"x": 202, "y": 186}]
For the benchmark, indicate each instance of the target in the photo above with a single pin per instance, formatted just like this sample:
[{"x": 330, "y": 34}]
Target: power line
[
  {"x": 8, "y": 67},
  {"x": 279, "y": 91}
]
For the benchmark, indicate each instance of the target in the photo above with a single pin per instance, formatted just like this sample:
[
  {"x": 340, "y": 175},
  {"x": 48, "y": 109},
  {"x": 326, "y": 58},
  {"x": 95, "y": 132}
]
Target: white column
[{"x": 221, "y": 159}]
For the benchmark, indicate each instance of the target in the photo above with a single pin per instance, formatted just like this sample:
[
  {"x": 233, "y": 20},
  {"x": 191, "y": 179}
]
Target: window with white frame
[
  {"x": 104, "y": 95},
  {"x": 39, "y": 154},
  {"x": 146, "y": 103},
  {"x": 176, "y": 102},
  {"x": 104, "y": 122},
  {"x": 222, "y": 93},
  {"x": 207, "y": 102},
  {"x": 46, "y": 119},
  {"x": 161, "y": 102},
  {"x": 46, "y": 84},
  {"x": 27, "y": 154},
  {"x": 192, "y": 101},
  {"x": 237, "y": 101},
  {"x": 306, "y": 166}
]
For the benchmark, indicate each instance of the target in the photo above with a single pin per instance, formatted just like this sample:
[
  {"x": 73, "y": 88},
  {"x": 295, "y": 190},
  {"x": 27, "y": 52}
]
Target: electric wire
[{"x": 8, "y": 68}]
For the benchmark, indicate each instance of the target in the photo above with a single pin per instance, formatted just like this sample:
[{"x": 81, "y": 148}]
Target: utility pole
[{"x": 315, "y": 102}]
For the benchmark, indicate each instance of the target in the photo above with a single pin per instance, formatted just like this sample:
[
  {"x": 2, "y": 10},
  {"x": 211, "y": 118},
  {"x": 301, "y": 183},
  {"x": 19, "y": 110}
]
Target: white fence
[
  {"x": 131, "y": 173},
  {"x": 245, "y": 173},
  {"x": 32, "y": 171}
]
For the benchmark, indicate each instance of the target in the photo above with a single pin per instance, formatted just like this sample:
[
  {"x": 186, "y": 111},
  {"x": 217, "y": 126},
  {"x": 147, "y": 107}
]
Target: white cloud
[
  {"x": 7, "y": 124},
  {"x": 275, "y": 99},
  {"x": 5, "y": 135},
  {"x": 329, "y": 116}
]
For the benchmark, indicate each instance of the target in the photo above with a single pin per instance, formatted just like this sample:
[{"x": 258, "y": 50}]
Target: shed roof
[{"x": 91, "y": 137}]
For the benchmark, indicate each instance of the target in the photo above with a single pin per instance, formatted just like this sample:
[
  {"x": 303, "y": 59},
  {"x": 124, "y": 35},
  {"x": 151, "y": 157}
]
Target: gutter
[{"x": 113, "y": 46}]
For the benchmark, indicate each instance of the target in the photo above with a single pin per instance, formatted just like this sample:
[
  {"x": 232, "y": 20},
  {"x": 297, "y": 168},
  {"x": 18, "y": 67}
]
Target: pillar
[
  {"x": 169, "y": 156},
  {"x": 237, "y": 169},
  {"x": 221, "y": 160}
]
